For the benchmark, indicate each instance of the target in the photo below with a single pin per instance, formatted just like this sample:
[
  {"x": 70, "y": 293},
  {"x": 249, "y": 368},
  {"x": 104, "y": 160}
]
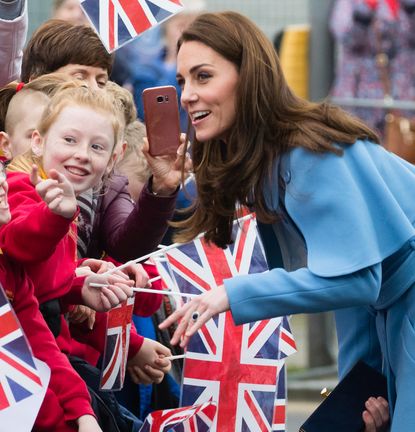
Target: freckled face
[{"x": 209, "y": 84}]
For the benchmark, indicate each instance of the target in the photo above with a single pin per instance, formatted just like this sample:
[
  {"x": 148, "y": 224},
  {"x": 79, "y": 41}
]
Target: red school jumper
[
  {"x": 63, "y": 403},
  {"x": 45, "y": 243}
]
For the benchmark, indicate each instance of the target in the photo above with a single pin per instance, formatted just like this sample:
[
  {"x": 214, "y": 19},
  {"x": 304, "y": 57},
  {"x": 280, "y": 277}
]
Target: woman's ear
[
  {"x": 5, "y": 145},
  {"x": 36, "y": 143}
]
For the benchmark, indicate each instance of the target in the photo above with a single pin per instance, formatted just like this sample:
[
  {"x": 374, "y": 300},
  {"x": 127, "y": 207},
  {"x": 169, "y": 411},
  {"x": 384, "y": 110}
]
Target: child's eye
[
  {"x": 69, "y": 139},
  {"x": 98, "y": 147}
]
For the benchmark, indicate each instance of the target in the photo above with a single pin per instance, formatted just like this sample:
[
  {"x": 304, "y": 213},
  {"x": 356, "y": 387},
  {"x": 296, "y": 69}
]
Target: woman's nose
[{"x": 188, "y": 95}]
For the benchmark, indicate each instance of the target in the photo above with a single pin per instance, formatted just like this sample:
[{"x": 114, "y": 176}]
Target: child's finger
[
  {"x": 54, "y": 205},
  {"x": 44, "y": 185},
  {"x": 59, "y": 177},
  {"x": 52, "y": 194},
  {"x": 34, "y": 175}
]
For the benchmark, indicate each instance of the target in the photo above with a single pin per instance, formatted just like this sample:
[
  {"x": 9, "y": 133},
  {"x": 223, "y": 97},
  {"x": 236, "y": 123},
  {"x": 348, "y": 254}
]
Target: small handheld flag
[{"x": 117, "y": 343}]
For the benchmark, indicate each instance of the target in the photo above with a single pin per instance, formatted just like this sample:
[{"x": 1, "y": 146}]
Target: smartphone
[{"x": 161, "y": 116}]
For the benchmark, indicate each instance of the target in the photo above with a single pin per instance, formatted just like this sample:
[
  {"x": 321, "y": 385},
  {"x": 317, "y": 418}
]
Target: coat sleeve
[
  {"x": 12, "y": 36},
  {"x": 34, "y": 231},
  {"x": 129, "y": 230},
  {"x": 275, "y": 293}
]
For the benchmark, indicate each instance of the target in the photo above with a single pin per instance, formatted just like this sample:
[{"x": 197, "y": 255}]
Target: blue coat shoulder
[{"x": 353, "y": 210}]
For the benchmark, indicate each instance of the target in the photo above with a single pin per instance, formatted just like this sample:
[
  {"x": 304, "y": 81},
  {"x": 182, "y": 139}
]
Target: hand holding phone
[{"x": 161, "y": 115}]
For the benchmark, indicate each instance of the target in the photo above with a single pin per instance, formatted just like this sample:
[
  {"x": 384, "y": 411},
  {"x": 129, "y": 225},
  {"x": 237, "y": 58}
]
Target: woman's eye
[
  {"x": 203, "y": 76},
  {"x": 180, "y": 82},
  {"x": 69, "y": 140}
]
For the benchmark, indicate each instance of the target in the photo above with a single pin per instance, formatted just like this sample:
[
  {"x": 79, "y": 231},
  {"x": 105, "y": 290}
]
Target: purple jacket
[{"x": 126, "y": 230}]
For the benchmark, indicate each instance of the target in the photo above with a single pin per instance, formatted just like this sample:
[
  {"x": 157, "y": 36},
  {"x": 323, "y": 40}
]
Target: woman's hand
[
  {"x": 194, "y": 314},
  {"x": 376, "y": 415},
  {"x": 166, "y": 169}
]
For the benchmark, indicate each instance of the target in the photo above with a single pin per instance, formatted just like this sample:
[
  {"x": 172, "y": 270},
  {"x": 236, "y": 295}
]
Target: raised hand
[
  {"x": 56, "y": 191},
  {"x": 166, "y": 169}
]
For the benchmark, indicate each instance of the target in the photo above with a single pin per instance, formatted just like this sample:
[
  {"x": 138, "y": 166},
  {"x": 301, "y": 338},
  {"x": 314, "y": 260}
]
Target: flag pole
[
  {"x": 143, "y": 258},
  {"x": 162, "y": 250},
  {"x": 148, "y": 290}
]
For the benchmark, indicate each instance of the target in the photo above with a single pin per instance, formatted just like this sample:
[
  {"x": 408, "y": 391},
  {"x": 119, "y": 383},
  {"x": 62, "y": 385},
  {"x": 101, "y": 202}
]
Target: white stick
[
  {"x": 148, "y": 290},
  {"x": 175, "y": 357},
  {"x": 143, "y": 258},
  {"x": 161, "y": 251},
  {"x": 169, "y": 293}
]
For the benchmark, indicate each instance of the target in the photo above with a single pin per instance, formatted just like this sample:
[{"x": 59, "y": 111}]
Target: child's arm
[
  {"x": 34, "y": 231},
  {"x": 73, "y": 399}
]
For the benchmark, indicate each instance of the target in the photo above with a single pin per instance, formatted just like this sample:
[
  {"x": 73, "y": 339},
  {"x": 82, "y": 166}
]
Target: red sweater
[
  {"x": 45, "y": 243},
  {"x": 63, "y": 403}
]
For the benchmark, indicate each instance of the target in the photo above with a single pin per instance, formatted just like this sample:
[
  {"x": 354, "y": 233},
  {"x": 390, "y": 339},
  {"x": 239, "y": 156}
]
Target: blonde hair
[
  {"x": 133, "y": 164},
  {"x": 44, "y": 87},
  {"x": 125, "y": 98},
  {"x": 97, "y": 100}
]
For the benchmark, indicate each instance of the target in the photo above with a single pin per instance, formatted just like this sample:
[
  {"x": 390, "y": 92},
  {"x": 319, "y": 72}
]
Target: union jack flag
[
  {"x": 120, "y": 21},
  {"x": 235, "y": 365},
  {"x": 19, "y": 377},
  {"x": 278, "y": 421},
  {"x": 286, "y": 340},
  {"x": 117, "y": 342},
  {"x": 196, "y": 418}
]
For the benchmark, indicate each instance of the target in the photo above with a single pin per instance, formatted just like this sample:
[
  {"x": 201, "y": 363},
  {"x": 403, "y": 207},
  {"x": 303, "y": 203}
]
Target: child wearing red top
[{"x": 65, "y": 407}]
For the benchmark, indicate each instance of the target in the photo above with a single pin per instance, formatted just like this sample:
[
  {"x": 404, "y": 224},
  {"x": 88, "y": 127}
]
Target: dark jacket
[{"x": 126, "y": 230}]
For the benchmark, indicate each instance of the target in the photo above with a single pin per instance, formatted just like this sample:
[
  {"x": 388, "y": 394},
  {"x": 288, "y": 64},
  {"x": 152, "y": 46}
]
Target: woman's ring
[{"x": 195, "y": 316}]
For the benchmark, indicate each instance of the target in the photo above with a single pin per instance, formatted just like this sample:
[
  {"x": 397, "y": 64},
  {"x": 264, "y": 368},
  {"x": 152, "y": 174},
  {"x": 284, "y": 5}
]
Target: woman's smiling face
[{"x": 209, "y": 85}]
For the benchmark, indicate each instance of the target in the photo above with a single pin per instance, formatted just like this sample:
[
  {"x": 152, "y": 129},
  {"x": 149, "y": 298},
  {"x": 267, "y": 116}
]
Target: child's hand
[
  {"x": 137, "y": 273},
  {"x": 56, "y": 191},
  {"x": 81, "y": 313},
  {"x": 148, "y": 365},
  {"x": 88, "y": 423},
  {"x": 102, "y": 299},
  {"x": 96, "y": 265}
]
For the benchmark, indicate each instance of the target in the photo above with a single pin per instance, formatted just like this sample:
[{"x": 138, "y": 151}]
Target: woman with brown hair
[{"x": 340, "y": 207}]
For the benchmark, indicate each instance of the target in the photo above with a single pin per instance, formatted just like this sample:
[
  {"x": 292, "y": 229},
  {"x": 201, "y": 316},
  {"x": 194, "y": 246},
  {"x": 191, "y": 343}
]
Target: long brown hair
[{"x": 270, "y": 119}]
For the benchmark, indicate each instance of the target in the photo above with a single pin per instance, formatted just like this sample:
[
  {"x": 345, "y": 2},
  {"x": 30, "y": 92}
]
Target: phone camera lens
[{"x": 160, "y": 99}]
